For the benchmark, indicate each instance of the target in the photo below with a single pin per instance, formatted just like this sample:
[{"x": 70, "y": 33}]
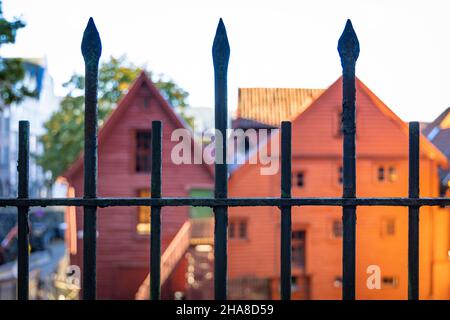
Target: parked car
[{"x": 41, "y": 234}]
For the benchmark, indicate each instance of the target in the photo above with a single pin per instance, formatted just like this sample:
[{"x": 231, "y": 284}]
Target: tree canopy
[
  {"x": 12, "y": 72},
  {"x": 64, "y": 137}
]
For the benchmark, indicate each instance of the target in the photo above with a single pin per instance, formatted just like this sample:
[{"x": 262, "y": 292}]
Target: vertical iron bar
[
  {"x": 221, "y": 55},
  {"x": 348, "y": 48},
  {"x": 91, "y": 50},
  {"x": 413, "y": 213},
  {"x": 155, "y": 217},
  {"x": 286, "y": 223},
  {"x": 22, "y": 218}
]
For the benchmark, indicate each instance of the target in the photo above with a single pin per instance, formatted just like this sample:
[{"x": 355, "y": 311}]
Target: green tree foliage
[
  {"x": 64, "y": 137},
  {"x": 12, "y": 89}
]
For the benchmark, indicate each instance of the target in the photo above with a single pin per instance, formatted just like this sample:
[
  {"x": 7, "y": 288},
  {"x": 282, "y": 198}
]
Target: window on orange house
[
  {"x": 237, "y": 229},
  {"x": 392, "y": 174},
  {"x": 242, "y": 232},
  {"x": 337, "y": 282},
  {"x": 337, "y": 229},
  {"x": 381, "y": 174},
  {"x": 143, "y": 157},
  {"x": 389, "y": 281},
  {"x": 143, "y": 220},
  {"x": 388, "y": 227},
  {"x": 387, "y": 173},
  {"x": 339, "y": 124},
  {"x": 300, "y": 179},
  {"x": 298, "y": 249},
  {"x": 232, "y": 230}
]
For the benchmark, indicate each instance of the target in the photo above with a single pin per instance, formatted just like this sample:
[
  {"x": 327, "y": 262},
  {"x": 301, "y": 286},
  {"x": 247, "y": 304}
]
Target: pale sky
[{"x": 404, "y": 59}]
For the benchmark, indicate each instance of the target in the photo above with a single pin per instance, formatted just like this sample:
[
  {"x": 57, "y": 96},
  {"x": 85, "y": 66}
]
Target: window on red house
[
  {"x": 143, "y": 161},
  {"x": 298, "y": 249},
  {"x": 143, "y": 220}
]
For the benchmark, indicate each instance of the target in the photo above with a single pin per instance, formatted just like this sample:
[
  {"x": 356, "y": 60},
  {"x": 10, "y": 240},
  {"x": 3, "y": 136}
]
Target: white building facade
[{"x": 36, "y": 110}]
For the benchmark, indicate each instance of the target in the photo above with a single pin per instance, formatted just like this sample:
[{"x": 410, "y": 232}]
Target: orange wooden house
[
  {"x": 123, "y": 252},
  {"x": 382, "y": 171}
]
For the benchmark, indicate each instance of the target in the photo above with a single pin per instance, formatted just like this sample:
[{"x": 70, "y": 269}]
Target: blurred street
[{"x": 44, "y": 265}]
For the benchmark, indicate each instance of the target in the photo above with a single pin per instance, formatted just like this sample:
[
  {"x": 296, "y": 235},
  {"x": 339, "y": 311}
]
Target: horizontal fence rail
[
  {"x": 229, "y": 202},
  {"x": 348, "y": 48}
]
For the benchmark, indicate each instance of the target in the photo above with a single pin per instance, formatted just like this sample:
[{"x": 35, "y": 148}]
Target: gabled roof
[
  {"x": 117, "y": 114},
  {"x": 273, "y": 105},
  {"x": 438, "y": 132},
  {"x": 425, "y": 145}
]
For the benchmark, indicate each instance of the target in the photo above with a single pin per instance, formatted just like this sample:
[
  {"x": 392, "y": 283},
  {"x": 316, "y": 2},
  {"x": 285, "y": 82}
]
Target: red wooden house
[{"x": 124, "y": 171}]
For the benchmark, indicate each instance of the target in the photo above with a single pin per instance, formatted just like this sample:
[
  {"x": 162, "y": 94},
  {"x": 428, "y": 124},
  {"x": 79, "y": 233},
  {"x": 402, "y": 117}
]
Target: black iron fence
[{"x": 348, "y": 48}]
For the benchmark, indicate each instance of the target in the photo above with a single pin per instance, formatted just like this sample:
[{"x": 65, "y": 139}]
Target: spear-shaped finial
[
  {"x": 91, "y": 45},
  {"x": 348, "y": 45},
  {"x": 221, "y": 47}
]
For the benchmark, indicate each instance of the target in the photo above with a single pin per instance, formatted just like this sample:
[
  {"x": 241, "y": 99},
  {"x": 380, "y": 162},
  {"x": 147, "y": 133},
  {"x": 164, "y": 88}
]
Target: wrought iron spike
[
  {"x": 91, "y": 49},
  {"x": 221, "y": 47},
  {"x": 221, "y": 55},
  {"x": 348, "y": 45},
  {"x": 91, "y": 45}
]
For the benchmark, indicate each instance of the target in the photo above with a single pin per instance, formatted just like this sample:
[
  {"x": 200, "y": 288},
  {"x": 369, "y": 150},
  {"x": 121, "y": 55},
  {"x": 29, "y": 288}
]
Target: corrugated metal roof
[{"x": 273, "y": 105}]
